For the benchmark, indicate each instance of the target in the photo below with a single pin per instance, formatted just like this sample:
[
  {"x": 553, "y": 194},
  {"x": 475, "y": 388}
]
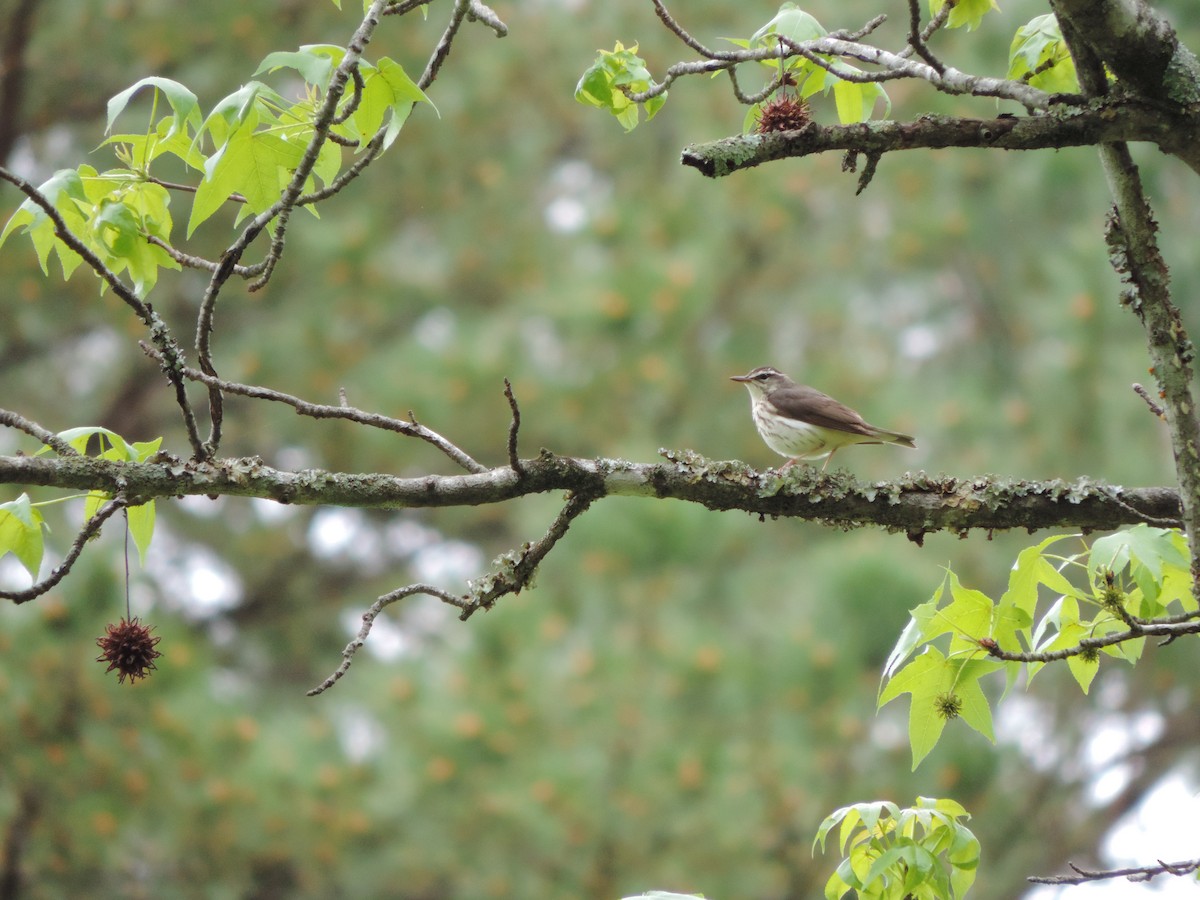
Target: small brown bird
[{"x": 800, "y": 422}]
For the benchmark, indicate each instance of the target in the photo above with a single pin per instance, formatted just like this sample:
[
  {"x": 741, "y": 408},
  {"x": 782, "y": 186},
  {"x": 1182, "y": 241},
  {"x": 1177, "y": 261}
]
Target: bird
[{"x": 800, "y": 422}]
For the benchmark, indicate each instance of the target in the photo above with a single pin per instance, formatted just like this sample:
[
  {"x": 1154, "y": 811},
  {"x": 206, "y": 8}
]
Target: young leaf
[
  {"x": 792, "y": 23},
  {"x": 183, "y": 103},
  {"x": 965, "y": 12},
  {"x": 141, "y": 527},
  {"x": 1039, "y": 44},
  {"x": 21, "y": 533},
  {"x": 314, "y": 62}
]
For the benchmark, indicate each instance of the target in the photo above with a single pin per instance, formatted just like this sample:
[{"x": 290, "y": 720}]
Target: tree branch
[
  {"x": 1109, "y": 121},
  {"x": 510, "y": 574},
  {"x": 1140, "y": 873},
  {"x": 916, "y": 504},
  {"x": 409, "y": 428}
]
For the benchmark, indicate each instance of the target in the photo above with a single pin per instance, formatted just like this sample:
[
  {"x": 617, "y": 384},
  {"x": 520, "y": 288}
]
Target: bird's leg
[
  {"x": 791, "y": 462},
  {"x": 827, "y": 459}
]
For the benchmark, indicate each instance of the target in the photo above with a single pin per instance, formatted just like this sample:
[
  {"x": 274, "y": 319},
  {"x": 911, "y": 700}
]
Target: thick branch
[
  {"x": 1137, "y": 45},
  {"x": 1124, "y": 121},
  {"x": 916, "y": 504}
]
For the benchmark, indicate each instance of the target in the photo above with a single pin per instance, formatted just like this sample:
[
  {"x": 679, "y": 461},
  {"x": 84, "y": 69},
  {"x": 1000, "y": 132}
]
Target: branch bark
[
  {"x": 1127, "y": 120},
  {"x": 915, "y": 504}
]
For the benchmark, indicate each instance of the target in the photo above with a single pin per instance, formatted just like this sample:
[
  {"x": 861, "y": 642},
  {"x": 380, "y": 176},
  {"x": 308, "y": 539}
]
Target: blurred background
[{"x": 684, "y": 695}]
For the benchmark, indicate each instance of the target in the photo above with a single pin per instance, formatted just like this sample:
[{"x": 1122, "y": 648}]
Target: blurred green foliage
[{"x": 684, "y": 696}]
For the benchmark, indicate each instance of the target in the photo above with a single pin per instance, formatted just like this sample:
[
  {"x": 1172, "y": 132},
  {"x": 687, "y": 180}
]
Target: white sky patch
[
  {"x": 194, "y": 579},
  {"x": 436, "y": 330},
  {"x": 360, "y": 734},
  {"x": 271, "y": 513},
  {"x": 1162, "y": 826},
  {"x": 576, "y": 195},
  {"x": 201, "y": 507},
  {"x": 345, "y": 534}
]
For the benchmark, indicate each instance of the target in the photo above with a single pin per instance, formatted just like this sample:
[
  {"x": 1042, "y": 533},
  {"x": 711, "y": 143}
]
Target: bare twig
[
  {"x": 513, "y": 459},
  {"x": 1145, "y": 395},
  {"x": 188, "y": 188},
  {"x": 321, "y": 411},
  {"x": 512, "y": 573},
  {"x": 1169, "y": 629},
  {"x": 514, "y": 570},
  {"x": 1139, "y": 873},
  {"x": 34, "y": 430},
  {"x": 368, "y": 620},
  {"x": 192, "y": 262},
  {"x": 442, "y": 50},
  {"x": 400, "y": 7},
  {"x": 90, "y": 528},
  {"x": 355, "y": 99},
  {"x": 916, "y": 40},
  {"x": 480, "y": 12}
]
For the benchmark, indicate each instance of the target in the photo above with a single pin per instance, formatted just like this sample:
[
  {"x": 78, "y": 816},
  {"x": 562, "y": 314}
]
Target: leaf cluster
[
  {"x": 923, "y": 852},
  {"x": 1076, "y": 608},
  {"x": 245, "y": 150}
]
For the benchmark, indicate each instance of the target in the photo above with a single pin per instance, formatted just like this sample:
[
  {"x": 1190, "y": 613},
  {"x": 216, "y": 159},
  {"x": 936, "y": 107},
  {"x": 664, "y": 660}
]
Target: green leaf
[
  {"x": 965, "y": 12},
  {"x": 1040, "y": 42},
  {"x": 933, "y": 680},
  {"x": 21, "y": 533},
  {"x": 65, "y": 192},
  {"x": 112, "y": 445},
  {"x": 183, "y": 103},
  {"x": 141, "y": 527},
  {"x": 849, "y": 98},
  {"x": 387, "y": 89},
  {"x": 314, "y": 62},
  {"x": 922, "y": 678},
  {"x": 792, "y": 23}
]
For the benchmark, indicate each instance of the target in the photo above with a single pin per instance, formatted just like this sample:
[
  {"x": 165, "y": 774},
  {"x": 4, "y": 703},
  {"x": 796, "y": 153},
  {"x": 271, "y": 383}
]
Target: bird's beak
[{"x": 742, "y": 378}]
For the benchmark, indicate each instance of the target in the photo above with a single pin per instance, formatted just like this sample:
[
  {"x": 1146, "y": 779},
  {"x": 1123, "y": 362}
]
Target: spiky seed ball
[
  {"x": 783, "y": 113},
  {"x": 949, "y": 705},
  {"x": 129, "y": 648}
]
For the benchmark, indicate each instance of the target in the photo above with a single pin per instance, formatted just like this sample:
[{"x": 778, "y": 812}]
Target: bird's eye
[{"x": 761, "y": 376}]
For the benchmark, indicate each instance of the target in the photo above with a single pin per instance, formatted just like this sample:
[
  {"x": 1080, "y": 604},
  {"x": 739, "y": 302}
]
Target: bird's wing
[{"x": 820, "y": 409}]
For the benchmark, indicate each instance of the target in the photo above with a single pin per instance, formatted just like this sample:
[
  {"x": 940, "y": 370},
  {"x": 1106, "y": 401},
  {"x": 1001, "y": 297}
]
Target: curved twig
[
  {"x": 409, "y": 428},
  {"x": 90, "y": 528},
  {"x": 34, "y": 430}
]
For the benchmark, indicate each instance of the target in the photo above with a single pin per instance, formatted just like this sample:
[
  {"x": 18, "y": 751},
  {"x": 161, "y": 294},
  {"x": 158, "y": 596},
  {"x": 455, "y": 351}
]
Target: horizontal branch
[
  {"x": 1071, "y": 127},
  {"x": 916, "y": 504}
]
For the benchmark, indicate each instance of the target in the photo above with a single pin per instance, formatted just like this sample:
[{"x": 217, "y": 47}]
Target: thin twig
[
  {"x": 192, "y": 262},
  {"x": 34, "y": 430},
  {"x": 512, "y": 573},
  {"x": 513, "y": 459},
  {"x": 320, "y": 411},
  {"x": 480, "y": 12},
  {"x": 442, "y": 50},
  {"x": 514, "y": 570},
  {"x": 1139, "y": 873},
  {"x": 1165, "y": 628},
  {"x": 188, "y": 188},
  {"x": 368, "y": 620},
  {"x": 1154, "y": 407},
  {"x": 916, "y": 41},
  {"x": 90, "y": 528}
]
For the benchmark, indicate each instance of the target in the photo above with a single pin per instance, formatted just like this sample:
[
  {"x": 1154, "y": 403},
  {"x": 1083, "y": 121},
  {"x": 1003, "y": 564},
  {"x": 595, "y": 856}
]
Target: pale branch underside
[
  {"x": 916, "y": 503},
  {"x": 1071, "y": 127}
]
